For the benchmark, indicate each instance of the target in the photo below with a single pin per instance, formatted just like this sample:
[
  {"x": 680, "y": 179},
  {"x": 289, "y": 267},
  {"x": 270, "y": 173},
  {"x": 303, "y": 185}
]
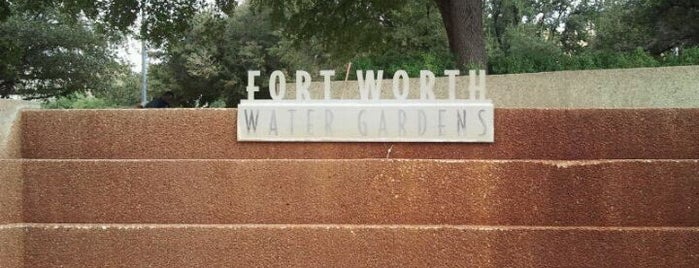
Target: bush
[
  {"x": 687, "y": 56},
  {"x": 635, "y": 59},
  {"x": 529, "y": 60},
  {"x": 77, "y": 101},
  {"x": 525, "y": 52},
  {"x": 220, "y": 103},
  {"x": 393, "y": 61}
]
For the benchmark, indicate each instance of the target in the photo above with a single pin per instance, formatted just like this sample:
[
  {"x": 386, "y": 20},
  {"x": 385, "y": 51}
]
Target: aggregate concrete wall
[
  {"x": 457, "y": 192},
  {"x": 12, "y": 245},
  {"x": 666, "y": 87},
  {"x": 11, "y": 185},
  {"x": 211, "y": 133},
  {"x": 110, "y": 205},
  {"x": 9, "y": 127},
  {"x": 358, "y": 246}
]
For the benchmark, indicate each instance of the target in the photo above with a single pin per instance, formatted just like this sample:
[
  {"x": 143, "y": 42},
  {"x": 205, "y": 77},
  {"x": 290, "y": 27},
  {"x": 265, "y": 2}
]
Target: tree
[
  {"x": 350, "y": 25},
  {"x": 55, "y": 47},
  {"x": 654, "y": 25},
  {"x": 50, "y": 55},
  {"x": 463, "y": 20},
  {"x": 164, "y": 20},
  {"x": 211, "y": 59},
  {"x": 676, "y": 24},
  {"x": 415, "y": 40}
]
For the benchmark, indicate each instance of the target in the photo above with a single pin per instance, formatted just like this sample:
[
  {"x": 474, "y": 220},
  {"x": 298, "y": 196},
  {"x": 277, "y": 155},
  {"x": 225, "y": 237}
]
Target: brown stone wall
[
  {"x": 173, "y": 188},
  {"x": 10, "y": 142},
  {"x": 12, "y": 246},
  {"x": 10, "y": 191},
  {"x": 458, "y": 192},
  {"x": 358, "y": 246},
  {"x": 519, "y": 134}
]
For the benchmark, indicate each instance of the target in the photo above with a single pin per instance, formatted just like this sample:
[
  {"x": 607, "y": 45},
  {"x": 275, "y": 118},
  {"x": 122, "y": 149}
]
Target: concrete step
[
  {"x": 211, "y": 133},
  {"x": 9, "y": 125},
  {"x": 12, "y": 245},
  {"x": 10, "y": 191},
  {"x": 67, "y": 245},
  {"x": 492, "y": 192}
]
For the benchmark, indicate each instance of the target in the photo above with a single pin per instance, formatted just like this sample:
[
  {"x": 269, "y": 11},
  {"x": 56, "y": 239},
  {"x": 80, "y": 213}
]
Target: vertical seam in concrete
[
  {"x": 22, "y": 205},
  {"x": 24, "y": 250},
  {"x": 22, "y": 218}
]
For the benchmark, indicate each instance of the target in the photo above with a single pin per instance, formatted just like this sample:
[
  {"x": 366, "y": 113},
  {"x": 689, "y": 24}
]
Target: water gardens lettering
[{"x": 369, "y": 118}]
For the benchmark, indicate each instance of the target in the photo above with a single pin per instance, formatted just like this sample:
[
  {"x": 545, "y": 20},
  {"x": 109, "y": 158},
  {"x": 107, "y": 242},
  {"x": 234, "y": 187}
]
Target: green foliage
[
  {"x": 537, "y": 36},
  {"x": 50, "y": 55},
  {"x": 344, "y": 26},
  {"x": 391, "y": 62},
  {"x": 218, "y": 104},
  {"x": 77, "y": 101},
  {"x": 620, "y": 28},
  {"x": 353, "y": 29},
  {"x": 656, "y": 26},
  {"x": 124, "y": 90},
  {"x": 416, "y": 41},
  {"x": 591, "y": 59},
  {"x": 64, "y": 47},
  {"x": 165, "y": 19},
  {"x": 526, "y": 53},
  {"x": 211, "y": 61},
  {"x": 687, "y": 56}
]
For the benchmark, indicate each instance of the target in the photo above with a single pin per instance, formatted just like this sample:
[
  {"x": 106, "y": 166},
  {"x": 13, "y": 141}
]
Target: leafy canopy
[
  {"x": 50, "y": 55},
  {"x": 164, "y": 19}
]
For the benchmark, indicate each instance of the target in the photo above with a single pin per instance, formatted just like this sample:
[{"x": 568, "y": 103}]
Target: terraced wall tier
[{"x": 557, "y": 134}]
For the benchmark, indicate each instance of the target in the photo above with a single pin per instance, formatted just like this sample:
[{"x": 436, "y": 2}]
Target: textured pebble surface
[
  {"x": 11, "y": 185},
  {"x": 12, "y": 246},
  {"x": 557, "y": 134},
  {"x": 560, "y": 193},
  {"x": 173, "y": 188},
  {"x": 358, "y": 246}
]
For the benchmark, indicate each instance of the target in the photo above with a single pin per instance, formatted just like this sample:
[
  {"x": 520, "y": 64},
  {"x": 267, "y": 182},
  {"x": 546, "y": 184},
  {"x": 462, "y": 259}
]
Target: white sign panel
[
  {"x": 352, "y": 121},
  {"x": 369, "y": 119}
]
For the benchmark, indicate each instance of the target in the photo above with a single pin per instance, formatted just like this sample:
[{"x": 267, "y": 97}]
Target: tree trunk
[{"x": 463, "y": 20}]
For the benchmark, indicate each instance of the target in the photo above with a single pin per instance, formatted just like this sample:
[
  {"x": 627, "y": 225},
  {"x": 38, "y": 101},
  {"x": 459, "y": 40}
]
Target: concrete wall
[
  {"x": 98, "y": 210},
  {"x": 363, "y": 191},
  {"x": 615, "y": 88},
  {"x": 625, "y": 200},
  {"x": 557, "y": 134},
  {"x": 10, "y": 191},
  {"x": 12, "y": 246},
  {"x": 12, "y": 234},
  {"x": 9, "y": 126},
  {"x": 357, "y": 246}
]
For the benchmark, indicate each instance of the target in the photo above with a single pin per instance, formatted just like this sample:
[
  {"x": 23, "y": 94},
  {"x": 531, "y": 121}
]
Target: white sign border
[{"x": 360, "y": 104}]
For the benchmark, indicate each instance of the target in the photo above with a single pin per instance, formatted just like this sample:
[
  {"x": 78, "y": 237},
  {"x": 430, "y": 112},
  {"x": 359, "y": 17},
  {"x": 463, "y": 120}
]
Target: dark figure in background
[{"x": 163, "y": 101}]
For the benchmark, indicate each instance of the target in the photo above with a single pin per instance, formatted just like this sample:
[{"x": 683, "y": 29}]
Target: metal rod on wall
[
  {"x": 144, "y": 72},
  {"x": 144, "y": 59}
]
